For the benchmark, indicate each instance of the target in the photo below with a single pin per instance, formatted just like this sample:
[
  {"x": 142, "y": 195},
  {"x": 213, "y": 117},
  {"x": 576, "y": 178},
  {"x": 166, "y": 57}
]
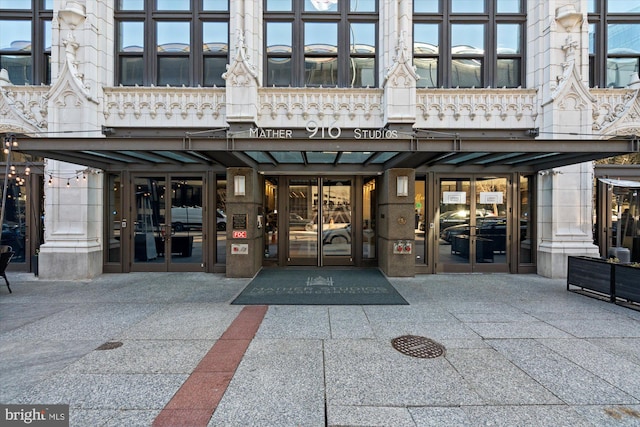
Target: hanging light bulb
[
  {"x": 77, "y": 178},
  {"x": 27, "y": 170},
  {"x": 68, "y": 183},
  {"x": 50, "y": 180}
]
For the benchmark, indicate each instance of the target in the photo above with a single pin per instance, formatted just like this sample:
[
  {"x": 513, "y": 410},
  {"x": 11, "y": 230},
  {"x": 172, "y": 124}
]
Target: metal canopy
[{"x": 218, "y": 151}]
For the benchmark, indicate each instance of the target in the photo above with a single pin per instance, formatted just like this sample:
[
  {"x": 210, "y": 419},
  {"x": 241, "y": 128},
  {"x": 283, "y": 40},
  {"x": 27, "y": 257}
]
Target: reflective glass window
[
  {"x": 131, "y": 37},
  {"x": 426, "y": 6},
  {"x": 467, "y": 38},
  {"x": 15, "y": 35},
  {"x": 173, "y": 4},
  {"x": 508, "y": 6},
  {"x": 321, "y": 43},
  {"x": 279, "y": 37},
  {"x": 320, "y": 37},
  {"x": 363, "y": 6},
  {"x": 623, "y": 6},
  {"x": 131, "y": 4},
  {"x": 467, "y": 6},
  {"x": 173, "y": 36},
  {"x": 508, "y": 38},
  {"x": 426, "y": 38},
  {"x": 321, "y": 5},
  {"x": 215, "y": 37},
  {"x": 215, "y": 5},
  {"x": 15, "y": 4},
  {"x": 279, "y": 5}
]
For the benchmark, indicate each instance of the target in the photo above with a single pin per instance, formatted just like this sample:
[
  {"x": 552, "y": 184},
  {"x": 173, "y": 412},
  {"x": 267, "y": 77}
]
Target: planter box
[
  {"x": 627, "y": 282},
  {"x": 593, "y": 274}
]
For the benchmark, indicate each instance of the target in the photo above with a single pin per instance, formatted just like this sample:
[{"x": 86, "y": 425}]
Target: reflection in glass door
[
  {"x": 319, "y": 229},
  {"x": 473, "y": 225},
  {"x": 302, "y": 222},
  {"x": 167, "y": 223},
  {"x": 337, "y": 233}
]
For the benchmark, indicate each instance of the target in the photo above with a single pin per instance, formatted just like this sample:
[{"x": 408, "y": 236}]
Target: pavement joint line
[{"x": 197, "y": 399}]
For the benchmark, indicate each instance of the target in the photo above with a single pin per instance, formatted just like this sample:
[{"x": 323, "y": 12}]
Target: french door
[
  {"x": 318, "y": 222},
  {"x": 168, "y": 222},
  {"x": 474, "y": 224}
]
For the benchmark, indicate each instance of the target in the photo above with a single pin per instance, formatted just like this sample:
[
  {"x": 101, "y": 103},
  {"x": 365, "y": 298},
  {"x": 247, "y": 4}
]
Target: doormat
[{"x": 320, "y": 287}]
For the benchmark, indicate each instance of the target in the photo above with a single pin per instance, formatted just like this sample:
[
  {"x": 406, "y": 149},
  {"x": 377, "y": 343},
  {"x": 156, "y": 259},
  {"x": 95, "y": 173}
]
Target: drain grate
[
  {"x": 110, "y": 345},
  {"x": 416, "y": 346}
]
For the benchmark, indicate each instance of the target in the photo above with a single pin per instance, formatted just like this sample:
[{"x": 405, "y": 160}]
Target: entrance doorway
[
  {"x": 318, "y": 221},
  {"x": 168, "y": 222},
  {"x": 474, "y": 224}
]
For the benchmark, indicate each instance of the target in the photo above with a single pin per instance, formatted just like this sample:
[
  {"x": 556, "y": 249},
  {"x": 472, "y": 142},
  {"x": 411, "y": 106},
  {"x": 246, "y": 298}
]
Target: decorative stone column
[
  {"x": 73, "y": 221},
  {"x": 244, "y": 237},
  {"x": 564, "y": 194},
  {"x": 396, "y": 223}
]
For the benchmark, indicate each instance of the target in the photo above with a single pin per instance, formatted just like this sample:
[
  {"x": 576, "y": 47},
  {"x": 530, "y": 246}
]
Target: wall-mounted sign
[
  {"x": 491, "y": 197},
  {"x": 239, "y": 234},
  {"x": 239, "y": 249},
  {"x": 321, "y": 131},
  {"x": 454, "y": 197},
  {"x": 239, "y": 221}
]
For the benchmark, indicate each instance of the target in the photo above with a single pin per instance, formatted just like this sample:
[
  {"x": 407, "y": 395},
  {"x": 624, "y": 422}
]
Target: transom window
[
  {"x": 614, "y": 42},
  {"x": 25, "y": 40},
  {"x": 469, "y": 43},
  {"x": 320, "y": 43},
  {"x": 166, "y": 42}
]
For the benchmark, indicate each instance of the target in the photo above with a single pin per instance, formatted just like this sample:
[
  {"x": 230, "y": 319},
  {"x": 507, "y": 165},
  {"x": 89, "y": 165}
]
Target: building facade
[{"x": 418, "y": 136}]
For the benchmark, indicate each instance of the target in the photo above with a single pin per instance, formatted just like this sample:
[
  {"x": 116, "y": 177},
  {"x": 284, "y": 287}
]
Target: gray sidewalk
[{"x": 520, "y": 350}]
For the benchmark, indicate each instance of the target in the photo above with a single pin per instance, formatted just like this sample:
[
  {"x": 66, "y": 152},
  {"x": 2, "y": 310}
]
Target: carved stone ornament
[
  {"x": 401, "y": 72},
  {"x": 240, "y": 72},
  {"x": 568, "y": 17}
]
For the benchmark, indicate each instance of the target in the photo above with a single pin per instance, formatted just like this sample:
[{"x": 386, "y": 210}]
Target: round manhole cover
[
  {"x": 416, "y": 346},
  {"x": 110, "y": 345}
]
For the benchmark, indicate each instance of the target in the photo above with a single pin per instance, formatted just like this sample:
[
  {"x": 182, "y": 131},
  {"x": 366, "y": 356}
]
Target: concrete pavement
[{"x": 520, "y": 350}]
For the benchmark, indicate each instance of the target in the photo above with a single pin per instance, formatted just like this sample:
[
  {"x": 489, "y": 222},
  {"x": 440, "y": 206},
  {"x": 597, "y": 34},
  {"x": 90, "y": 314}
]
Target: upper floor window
[
  {"x": 165, "y": 42},
  {"x": 320, "y": 43},
  {"x": 469, "y": 43},
  {"x": 614, "y": 42},
  {"x": 25, "y": 40}
]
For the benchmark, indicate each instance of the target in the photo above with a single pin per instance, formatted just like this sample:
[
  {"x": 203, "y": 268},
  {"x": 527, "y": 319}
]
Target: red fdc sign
[{"x": 240, "y": 234}]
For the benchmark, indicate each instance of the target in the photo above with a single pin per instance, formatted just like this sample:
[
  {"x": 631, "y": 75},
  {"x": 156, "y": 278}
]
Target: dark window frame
[
  {"x": 343, "y": 17},
  {"x": 41, "y": 57},
  {"x": 490, "y": 18},
  {"x": 150, "y": 55},
  {"x": 601, "y": 20}
]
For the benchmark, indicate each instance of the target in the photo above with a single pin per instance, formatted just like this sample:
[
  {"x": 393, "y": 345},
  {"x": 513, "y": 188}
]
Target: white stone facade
[{"x": 556, "y": 99}]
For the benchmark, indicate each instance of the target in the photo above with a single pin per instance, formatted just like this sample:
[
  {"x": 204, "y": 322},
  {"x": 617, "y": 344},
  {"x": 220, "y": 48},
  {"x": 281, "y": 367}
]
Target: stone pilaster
[
  {"x": 245, "y": 250},
  {"x": 396, "y": 223}
]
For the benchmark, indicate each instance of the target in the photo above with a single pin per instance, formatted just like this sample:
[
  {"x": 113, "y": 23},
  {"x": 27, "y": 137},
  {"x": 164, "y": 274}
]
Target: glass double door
[
  {"x": 474, "y": 224},
  {"x": 318, "y": 221},
  {"x": 167, "y": 224}
]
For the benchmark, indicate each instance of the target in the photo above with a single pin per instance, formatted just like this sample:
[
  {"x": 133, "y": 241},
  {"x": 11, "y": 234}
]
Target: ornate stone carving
[
  {"x": 185, "y": 106},
  {"x": 241, "y": 72},
  {"x": 401, "y": 73},
  {"x": 23, "y": 108},
  {"x": 616, "y": 111},
  {"x": 301, "y": 104},
  {"x": 73, "y": 15},
  {"x": 497, "y": 107}
]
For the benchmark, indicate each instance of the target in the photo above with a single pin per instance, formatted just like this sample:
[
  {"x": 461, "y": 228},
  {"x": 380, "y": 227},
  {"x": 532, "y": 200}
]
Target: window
[
  {"x": 165, "y": 42},
  {"x": 321, "y": 43},
  {"x": 468, "y": 43},
  {"x": 614, "y": 42},
  {"x": 25, "y": 40}
]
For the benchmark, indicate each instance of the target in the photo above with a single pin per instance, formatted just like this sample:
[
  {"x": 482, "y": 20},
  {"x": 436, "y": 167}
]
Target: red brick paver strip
[{"x": 199, "y": 396}]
